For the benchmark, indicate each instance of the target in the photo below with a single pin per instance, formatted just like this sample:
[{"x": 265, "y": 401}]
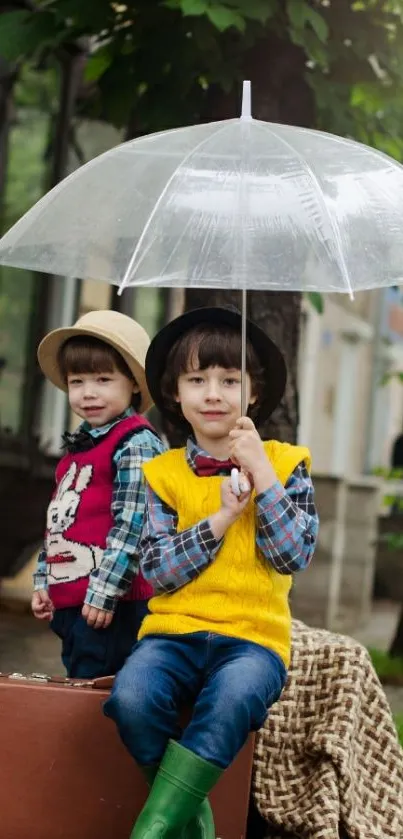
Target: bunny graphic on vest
[{"x": 69, "y": 559}]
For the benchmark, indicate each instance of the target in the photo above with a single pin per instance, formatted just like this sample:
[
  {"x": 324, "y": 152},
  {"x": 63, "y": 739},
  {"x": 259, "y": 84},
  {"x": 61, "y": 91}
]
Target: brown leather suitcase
[{"x": 65, "y": 775}]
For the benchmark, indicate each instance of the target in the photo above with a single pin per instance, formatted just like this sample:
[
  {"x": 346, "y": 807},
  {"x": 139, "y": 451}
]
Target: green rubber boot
[
  {"x": 201, "y": 826},
  {"x": 178, "y": 797}
]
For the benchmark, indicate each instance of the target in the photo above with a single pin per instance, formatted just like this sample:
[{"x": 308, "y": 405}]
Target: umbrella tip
[{"x": 246, "y": 112}]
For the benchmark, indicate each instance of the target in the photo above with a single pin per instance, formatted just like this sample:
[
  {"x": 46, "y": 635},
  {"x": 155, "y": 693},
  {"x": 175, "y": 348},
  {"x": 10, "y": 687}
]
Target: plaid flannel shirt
[
  {"x": 286, "y": 532},
  {"x": 112, "y": 579}
]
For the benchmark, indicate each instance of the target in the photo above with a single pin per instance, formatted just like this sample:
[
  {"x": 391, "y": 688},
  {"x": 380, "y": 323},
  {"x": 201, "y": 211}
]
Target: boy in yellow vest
[{"x": 218, "y": 633}]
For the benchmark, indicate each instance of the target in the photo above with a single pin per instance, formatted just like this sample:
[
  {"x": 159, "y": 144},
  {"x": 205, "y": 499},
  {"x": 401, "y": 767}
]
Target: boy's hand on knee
[
  {"x": 42, "y": 605},
  {"x": 97, "y": 618}
]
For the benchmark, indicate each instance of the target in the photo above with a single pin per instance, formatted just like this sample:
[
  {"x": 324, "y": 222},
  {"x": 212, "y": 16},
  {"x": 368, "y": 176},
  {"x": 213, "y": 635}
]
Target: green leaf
[
  {"x": 314, "y": 49},
  {"x": 296, "y": 10},
  {"x": 300, "y": 14},
  {"x": 23, "y": 33},
  {"x": 390, "y": 145},
  {"x": 223, "y": 18},
  {"x": 369, "y": 97},
  {"x": 260, "y": 10},
  {"x": 316, "y": 300},
  {"x": 13, "y": 34},
  {"x": 318, "y": 25},
  {"x": 97, "y": 63},
  {"x": 388, "y": 377},
  {"x": 193, "y": 7}
]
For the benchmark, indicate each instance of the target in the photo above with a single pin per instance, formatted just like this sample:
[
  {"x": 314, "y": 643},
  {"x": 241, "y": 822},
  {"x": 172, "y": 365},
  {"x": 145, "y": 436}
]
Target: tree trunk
[{"x": 280, "y": 92}]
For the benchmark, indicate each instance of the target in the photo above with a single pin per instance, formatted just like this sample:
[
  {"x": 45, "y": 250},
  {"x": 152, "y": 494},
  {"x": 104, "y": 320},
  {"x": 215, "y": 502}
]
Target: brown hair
[
  {"x": 208, "y": 345},
  {"x": 87, "y": 354}
]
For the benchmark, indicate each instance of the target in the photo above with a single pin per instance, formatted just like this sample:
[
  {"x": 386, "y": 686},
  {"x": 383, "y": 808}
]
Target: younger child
[
  {"x": 87, "y": 582},
  {"x": 218, "y": 632}
]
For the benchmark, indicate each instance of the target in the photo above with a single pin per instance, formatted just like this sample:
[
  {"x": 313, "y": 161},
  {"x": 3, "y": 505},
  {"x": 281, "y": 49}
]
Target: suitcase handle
[{"x": 103, "y": 683}]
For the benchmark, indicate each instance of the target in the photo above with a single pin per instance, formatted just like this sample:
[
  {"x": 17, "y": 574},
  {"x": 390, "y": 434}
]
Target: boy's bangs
[
  {"x": 214, "y": 348},
  {"x": 90, "y": 355}
]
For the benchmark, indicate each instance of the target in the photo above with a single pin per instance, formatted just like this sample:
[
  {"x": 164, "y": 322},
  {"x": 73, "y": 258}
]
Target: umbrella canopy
[{"x": 238, "y": 204}]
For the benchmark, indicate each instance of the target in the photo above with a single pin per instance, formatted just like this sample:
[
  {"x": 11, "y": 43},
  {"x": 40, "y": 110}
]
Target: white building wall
[{"x": 347, "y": 416}]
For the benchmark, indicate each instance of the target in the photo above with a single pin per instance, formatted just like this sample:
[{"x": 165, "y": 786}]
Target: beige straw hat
[{"x": 121, "y": 332}]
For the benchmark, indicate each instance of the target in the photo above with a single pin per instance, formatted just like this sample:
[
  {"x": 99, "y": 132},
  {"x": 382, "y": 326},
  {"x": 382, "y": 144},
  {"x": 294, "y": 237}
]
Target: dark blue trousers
[
  {"x": 230, "y": 683},
  {"x": 89, "y": 653}
]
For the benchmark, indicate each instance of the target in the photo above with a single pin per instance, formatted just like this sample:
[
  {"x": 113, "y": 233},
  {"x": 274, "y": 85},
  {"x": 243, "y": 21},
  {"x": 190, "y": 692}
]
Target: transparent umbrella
[
  {"x": 233, "y": 204},
  {"x": 238, "y": 204}
]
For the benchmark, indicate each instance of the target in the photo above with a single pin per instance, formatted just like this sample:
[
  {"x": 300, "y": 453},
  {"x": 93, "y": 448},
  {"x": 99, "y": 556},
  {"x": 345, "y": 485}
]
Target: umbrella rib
[
  {"x": 334, "y": 226},
  {"x": 159, "y": 201}
]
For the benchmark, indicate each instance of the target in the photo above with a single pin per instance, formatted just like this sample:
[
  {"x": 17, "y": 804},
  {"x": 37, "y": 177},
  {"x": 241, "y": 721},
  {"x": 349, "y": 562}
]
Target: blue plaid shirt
[
  {"x": 286, "y": 531},
  {"x": 112, "y": 579}
]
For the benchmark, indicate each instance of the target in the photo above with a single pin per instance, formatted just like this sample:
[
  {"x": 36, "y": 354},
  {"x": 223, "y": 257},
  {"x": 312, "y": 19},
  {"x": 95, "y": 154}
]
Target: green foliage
[
  {"x": 386, "y": 666},
  {"x": 359, "y": 90},
  {"x": 223, "y": 18},
  {"x": 226, "y": 14},
  {"x": 388, "y": 377},
  {"x": 153, "y": 63},
  {"x": 302, "y": 17},
  {"x": 98, "y": 63},
  {"x": 393, "y": 540},
  {"x": 23, "y": 34},
  {"x": 316, "y": 300},
  {"x": 388, "y": 473},
  {"x": 164, "y": 56},
  {"x": 399, "y": 727}
]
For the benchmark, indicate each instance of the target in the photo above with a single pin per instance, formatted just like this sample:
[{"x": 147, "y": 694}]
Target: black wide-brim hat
[{"x": 270, "y": 357}]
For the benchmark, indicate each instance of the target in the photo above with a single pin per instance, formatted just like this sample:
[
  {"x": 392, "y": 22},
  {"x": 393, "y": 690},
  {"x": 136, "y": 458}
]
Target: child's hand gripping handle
[{"x": 239, "y": 482}]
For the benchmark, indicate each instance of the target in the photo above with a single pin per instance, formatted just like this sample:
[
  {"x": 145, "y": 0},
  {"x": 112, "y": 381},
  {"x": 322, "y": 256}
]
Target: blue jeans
[
  {"x": 230, "y": 683},
  {"x": 89, "y": 653}
]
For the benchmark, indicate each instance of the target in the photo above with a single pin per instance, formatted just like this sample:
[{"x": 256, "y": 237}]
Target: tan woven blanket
[{"x": 328, "y": 758}]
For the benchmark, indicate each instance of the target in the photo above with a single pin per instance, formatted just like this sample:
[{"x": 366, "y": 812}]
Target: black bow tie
[{"x": 80, "y": 441}]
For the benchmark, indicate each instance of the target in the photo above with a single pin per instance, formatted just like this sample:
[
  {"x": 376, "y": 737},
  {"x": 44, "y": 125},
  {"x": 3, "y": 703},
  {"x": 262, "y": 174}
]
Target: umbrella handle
[{"x": 239, "y": 482}]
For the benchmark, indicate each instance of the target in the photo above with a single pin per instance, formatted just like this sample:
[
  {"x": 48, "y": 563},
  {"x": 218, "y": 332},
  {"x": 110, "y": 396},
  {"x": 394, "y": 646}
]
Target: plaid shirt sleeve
[
  {"x": 170, "y": 559},
  {"x": 287, "y": 523},
  {"x": 112, "y": 579},
  {"x": 40, "y": 576}
]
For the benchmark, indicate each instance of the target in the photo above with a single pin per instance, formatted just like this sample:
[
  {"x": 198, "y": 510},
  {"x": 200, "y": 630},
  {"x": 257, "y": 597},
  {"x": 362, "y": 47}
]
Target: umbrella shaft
[{"x": 244, "y": 406}]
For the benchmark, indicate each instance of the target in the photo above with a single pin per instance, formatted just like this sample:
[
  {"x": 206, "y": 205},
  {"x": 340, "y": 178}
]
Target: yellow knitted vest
[{"x": 239, "y": 594}]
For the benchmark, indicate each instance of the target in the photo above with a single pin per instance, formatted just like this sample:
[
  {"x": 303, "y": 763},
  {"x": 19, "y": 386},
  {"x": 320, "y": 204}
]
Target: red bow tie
[{"x": 207, "y": 466}]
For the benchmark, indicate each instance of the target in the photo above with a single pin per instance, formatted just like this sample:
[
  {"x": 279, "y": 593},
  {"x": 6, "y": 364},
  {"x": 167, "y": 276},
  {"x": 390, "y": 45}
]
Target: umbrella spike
[{"x": 246, "y": 111}]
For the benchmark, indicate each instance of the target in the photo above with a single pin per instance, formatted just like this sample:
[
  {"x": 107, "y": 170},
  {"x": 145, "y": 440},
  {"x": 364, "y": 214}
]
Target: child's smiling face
[
  {"x": 210, "y": 401},
  {"x": 100, "y": 397}
]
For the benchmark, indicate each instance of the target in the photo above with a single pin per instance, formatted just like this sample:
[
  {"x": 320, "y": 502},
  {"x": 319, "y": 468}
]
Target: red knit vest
[{"x": 79, "y": 518}]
